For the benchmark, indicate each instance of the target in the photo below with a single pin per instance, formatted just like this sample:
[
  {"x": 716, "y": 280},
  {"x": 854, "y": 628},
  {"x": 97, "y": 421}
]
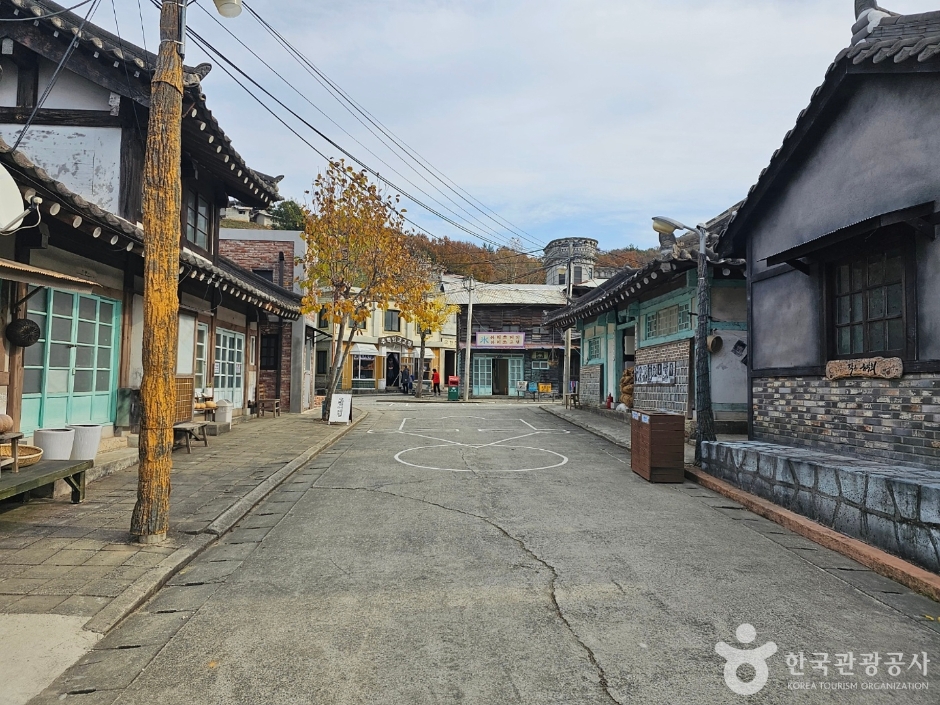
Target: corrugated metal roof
[
  {"x": 27, "y": 274},
  {"x": 510, "y": 294}
]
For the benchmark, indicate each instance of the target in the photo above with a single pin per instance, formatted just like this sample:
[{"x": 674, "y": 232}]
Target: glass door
[
  {"x": 482, "y": 376},
  {"x": 229, "y": 366},
  {"x": 70, "y": 375},
  {"x": 516, "y": 374}
]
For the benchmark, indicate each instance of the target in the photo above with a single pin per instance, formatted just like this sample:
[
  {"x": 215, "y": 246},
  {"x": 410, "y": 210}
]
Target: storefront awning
[
  {"x": 363, "y": 349},
  {"x": 27, "y": 274},
  {"x": 428, "y": 353}
]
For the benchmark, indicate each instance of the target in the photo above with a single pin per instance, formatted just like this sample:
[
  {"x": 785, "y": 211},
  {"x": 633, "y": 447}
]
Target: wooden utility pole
[{"x": 161, "y": 207}]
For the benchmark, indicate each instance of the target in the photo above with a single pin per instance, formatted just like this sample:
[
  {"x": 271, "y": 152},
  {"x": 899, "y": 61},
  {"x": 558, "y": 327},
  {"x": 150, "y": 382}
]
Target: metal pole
[
  {"x": 466, "y": 362},
  {"x": 566, "y": 372},
  {"x": 705, "y": 419}
]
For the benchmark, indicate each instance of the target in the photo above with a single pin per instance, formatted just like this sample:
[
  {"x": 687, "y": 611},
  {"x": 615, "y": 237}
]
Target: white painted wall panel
[
  {"x": 137, "y": 342},
  {"x": 186, "y": 345},
  {"x": 86, "y": 159},
  {"x": 8, "y": 82},
  {"x": 75, "y": 265},
  {"x": 71, "y": 91}
]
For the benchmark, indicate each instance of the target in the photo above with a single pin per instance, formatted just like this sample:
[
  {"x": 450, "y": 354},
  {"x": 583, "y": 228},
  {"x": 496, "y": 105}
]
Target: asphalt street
[{"x": 494, "y": 554}]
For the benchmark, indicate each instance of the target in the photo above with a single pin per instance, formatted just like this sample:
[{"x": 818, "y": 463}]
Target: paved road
[{"x": 493, "y": 554}]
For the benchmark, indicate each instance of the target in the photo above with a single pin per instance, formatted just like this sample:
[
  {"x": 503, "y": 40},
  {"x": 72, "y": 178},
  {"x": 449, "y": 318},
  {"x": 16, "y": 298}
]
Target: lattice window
[{"x": 185, "y": 390}]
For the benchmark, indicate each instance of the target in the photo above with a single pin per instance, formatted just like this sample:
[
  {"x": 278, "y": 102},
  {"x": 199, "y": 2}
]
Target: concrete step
[{"x": 891, "y": 506}]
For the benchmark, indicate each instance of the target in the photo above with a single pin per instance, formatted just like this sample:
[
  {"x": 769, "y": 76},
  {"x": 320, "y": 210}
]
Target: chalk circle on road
[{"x": 482, "y": 458}]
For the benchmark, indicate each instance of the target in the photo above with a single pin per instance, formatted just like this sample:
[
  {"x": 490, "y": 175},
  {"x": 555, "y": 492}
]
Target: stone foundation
[{"x": 894, "y": 508}]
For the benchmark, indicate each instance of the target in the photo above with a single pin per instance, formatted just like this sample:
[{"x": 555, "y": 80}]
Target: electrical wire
[
  {"x": 467, "y": 216},
  {"x": 65, "y": 57},
  {"x": 209, "y": 49},
  {"x": 46, "y": 16},
  {"x": 331, "y": 86},
  {"x": 127, "y": 74}
]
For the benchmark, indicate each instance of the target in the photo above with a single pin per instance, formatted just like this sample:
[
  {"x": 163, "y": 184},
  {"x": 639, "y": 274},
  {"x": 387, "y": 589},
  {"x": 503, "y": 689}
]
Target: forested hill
[{"x": 503, "y": 265}]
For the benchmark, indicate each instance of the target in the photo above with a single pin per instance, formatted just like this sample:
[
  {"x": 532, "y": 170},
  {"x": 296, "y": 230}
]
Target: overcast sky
[{"x": 566, "y": 117}]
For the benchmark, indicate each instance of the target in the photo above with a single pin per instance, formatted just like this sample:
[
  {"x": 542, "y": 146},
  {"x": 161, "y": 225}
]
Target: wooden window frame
[
  {"x": 906, "y": 244},
  {"x": 388, "y": 321},
  {"x": 269, "y": 359},
  {"x": 191, "y": 192}
]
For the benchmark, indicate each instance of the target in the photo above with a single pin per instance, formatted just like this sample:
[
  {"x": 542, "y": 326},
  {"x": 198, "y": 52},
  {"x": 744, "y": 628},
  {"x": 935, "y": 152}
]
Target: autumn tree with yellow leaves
[
  {"x": 358, "y": 256},
  {"x": 423, "y": 305}
]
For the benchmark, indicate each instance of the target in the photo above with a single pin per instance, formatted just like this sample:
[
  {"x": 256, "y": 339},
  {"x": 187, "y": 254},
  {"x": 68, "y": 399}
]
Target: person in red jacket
[{"x": 436, "y": 381}]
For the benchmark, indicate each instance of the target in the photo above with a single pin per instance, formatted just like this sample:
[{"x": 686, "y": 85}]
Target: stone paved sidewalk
[
  {"x": 74, "y": 559},
  {"x": 614, "y": 430}
]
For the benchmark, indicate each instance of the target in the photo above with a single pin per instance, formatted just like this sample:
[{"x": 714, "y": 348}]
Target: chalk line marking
[{"x": 563, "y": 461}]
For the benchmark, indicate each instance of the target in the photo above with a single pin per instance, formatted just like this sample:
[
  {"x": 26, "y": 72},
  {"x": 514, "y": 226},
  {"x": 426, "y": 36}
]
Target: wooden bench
[
  {"x": 43, "y": 473},
  {"x": 190, "y": 431},
  {"x": 272, "y": 405}
]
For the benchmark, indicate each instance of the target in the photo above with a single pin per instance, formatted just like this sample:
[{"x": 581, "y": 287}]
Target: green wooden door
[{"x": 70, "y": 375}]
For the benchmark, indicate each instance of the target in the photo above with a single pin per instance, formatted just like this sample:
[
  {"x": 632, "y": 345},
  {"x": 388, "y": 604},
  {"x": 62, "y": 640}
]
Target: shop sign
[
  {"x": 656, "y": 373},
  {"x": 396, "y": 341},
  {"x": 500, "y": 340}
]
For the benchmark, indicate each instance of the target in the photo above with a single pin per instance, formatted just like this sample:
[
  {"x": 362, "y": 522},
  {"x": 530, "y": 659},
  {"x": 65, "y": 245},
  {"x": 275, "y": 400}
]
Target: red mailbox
[{"x": 453, "y": 381}]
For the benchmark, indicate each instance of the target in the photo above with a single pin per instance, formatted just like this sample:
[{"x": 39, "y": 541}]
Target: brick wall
[
  {"x": 261, "y": 254},
  {"x": 882, "y": 419},
  {"x": 265, "y": 254},
  {"x": 267, "y": 379},
  {"x": 672, "y": 398}
]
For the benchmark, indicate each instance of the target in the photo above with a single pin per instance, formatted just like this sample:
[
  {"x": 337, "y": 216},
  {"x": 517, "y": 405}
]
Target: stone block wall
[
  {"x": 894, "y": 420},
  {"x": 672, "y": 398},
  {"x": 892, "y": 507}
]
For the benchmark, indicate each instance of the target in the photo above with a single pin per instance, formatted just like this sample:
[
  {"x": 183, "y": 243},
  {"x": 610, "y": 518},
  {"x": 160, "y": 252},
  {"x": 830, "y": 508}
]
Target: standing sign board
[{"x": 340, "y": 408}]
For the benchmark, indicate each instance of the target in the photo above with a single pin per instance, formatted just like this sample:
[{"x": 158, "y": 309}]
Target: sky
[{"x": 567, "y": 118}]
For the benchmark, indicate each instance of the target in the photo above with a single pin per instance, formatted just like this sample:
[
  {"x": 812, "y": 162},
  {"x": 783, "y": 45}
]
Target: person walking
[
  {"x": 436, "y": 381},
  {"x": 405, "y": 380}
]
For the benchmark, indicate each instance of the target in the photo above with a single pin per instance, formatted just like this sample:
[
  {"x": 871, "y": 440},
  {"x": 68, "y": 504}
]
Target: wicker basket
[{"x": 28, "y": 455}]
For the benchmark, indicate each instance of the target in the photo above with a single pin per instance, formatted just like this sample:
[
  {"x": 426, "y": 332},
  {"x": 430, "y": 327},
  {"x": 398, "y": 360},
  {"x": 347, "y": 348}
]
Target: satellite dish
[{"x": 11, "y": 203}]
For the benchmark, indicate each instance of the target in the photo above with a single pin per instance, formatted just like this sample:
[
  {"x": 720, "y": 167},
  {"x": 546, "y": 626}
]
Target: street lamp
[
  {"x": 229, "y": 8},
  {"x": 161, "y": 206},
  {"x": 704, "y": 417}
]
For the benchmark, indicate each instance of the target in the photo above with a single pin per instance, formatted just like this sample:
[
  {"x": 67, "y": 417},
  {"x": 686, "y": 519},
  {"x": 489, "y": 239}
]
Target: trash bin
[
  {"x": 658, "y": 446},
  {"x": 223, "y": 411},
  {"x": 453, "y": 388}
]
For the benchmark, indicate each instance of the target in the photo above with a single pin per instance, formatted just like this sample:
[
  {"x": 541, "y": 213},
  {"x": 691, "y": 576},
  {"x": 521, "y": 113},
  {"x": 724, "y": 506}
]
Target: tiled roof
[
  {"x": 226, "y": 274},
  {"x": 878, "y": 35},
  {"x": 140, "y": 64},
  {"x": 501, "y": 294},
  {"x": 630, "y": 284}
]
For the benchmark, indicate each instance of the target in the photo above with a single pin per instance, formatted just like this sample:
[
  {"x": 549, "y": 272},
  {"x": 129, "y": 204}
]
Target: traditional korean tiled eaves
[
  {"x": 205, "y": 135},
  {"x": 911, "y": 42},
  {"x": 97, "y": 222},
  {"x": 631, "y": 284}
]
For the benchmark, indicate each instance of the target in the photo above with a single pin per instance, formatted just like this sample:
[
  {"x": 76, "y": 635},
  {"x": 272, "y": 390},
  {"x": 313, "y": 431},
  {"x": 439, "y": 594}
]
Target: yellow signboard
[{"x": 545, "y": 389}]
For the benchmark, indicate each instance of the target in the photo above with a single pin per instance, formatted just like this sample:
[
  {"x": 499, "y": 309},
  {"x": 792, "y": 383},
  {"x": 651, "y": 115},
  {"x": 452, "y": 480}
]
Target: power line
[
  {"x": 206, "y": 46},
  {"x": 467, "y": 216},
  {"x": 303, "y": 139},
  {"x": 423, "y": 163}
]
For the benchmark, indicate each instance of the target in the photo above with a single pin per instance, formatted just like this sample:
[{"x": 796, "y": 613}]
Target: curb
[
  {"x": 150, "y": 582},
  {"x": 897, "y": 569},
  {"x": 596, "y": 431},
  {"x": 907, "y": 574}
]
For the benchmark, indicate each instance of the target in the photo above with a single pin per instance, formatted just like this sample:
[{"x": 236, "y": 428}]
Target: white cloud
[{"x": 581, "y": 117}]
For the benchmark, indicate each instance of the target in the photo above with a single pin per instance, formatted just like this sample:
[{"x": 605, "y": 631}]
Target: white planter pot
[
  {"x": 87, "y": 440},
  {"x": 56, "y": 443}
]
